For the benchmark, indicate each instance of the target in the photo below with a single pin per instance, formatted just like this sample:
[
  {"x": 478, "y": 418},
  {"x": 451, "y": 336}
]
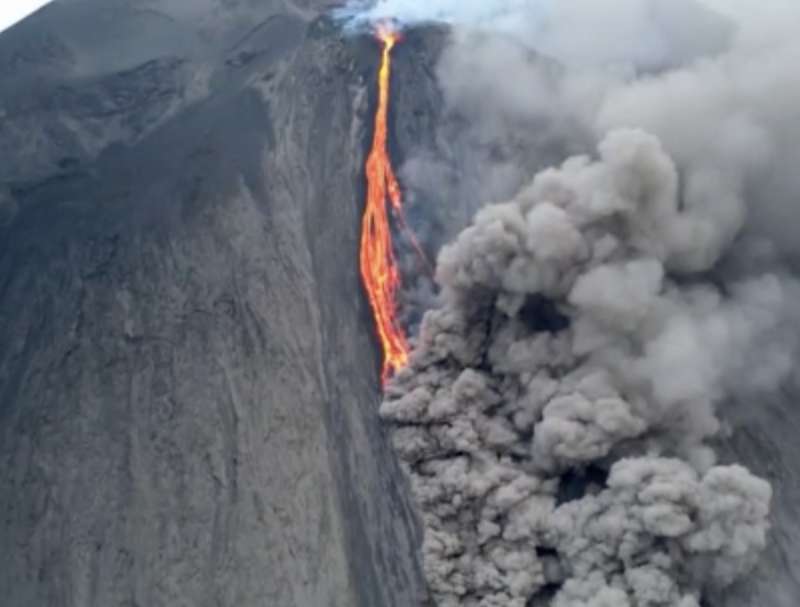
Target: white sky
[{"x": 12, "y": 11}]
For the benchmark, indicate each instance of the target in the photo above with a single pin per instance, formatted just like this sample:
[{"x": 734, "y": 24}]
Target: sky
[{"x": 12, "y": 11}]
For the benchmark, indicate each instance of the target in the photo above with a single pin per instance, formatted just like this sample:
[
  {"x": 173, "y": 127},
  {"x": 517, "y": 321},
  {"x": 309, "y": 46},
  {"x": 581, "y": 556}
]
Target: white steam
[{"x": 636, "y": 32}]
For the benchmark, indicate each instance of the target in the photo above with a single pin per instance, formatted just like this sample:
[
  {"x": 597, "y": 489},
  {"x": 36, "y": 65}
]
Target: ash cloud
[
  {"x": 498, "y": 409},
  {"x": 558, "y": 416}
]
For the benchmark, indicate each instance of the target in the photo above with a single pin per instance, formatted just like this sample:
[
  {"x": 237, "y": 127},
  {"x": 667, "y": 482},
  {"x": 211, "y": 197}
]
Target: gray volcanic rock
[
  {"x": 188, "y": 376},
  {"x": 763, "y": 435}
]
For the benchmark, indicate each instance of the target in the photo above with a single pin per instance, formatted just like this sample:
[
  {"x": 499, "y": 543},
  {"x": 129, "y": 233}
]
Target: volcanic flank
[{"x": 188, "y": 412}]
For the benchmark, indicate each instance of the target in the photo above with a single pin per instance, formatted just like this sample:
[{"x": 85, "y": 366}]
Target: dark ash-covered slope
[{"x": 188, "y": 379}]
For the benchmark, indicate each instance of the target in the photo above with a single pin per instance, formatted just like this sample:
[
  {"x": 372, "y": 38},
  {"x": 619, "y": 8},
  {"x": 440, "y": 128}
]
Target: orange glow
[{"x": 378, "y": 264}]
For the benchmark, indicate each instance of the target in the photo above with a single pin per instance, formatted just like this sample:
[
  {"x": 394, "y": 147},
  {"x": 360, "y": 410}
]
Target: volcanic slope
[{"x": 189, "y": 378}]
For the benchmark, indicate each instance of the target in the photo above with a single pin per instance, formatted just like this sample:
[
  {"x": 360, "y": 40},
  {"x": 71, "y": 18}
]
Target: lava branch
[{"x": 379, "y": 269}]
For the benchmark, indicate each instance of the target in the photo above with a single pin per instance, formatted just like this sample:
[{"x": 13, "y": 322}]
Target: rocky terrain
[{"x": 188, "y": 380}]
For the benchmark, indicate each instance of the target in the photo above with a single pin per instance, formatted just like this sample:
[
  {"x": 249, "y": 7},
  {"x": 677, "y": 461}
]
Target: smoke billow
[
  {"x": 555, "y": 415},
  {"x": 558, "y": 415}
]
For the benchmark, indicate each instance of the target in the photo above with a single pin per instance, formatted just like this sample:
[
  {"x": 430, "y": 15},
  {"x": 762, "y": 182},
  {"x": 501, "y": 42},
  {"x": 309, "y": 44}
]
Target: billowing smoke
[
  {"x": 555, "y": 414},
  {"x": 558, "y": 416}
]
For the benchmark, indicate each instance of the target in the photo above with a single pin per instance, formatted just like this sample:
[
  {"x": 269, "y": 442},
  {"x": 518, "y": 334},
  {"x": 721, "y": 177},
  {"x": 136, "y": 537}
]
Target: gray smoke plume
[
  {"x": 558, "y": 416},
  {"x": 555, "y": 415}
]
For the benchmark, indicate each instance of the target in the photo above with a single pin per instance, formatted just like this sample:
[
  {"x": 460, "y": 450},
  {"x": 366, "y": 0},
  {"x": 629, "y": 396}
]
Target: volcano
[
  {"x": 189, "y": 371},
  {"x": 189, "y": 378}
]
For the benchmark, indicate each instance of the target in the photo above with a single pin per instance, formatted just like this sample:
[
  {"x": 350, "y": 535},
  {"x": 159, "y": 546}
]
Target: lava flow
[{"x": 378, "y": 264}]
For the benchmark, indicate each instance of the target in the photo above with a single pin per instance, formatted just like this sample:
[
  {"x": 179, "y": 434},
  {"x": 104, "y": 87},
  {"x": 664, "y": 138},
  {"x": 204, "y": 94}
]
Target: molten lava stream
[{"x": 378, "y": 264}]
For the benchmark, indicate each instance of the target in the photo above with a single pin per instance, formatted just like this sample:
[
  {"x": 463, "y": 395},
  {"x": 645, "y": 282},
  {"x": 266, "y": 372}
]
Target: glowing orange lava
[{"x": 378, "y": 264}]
